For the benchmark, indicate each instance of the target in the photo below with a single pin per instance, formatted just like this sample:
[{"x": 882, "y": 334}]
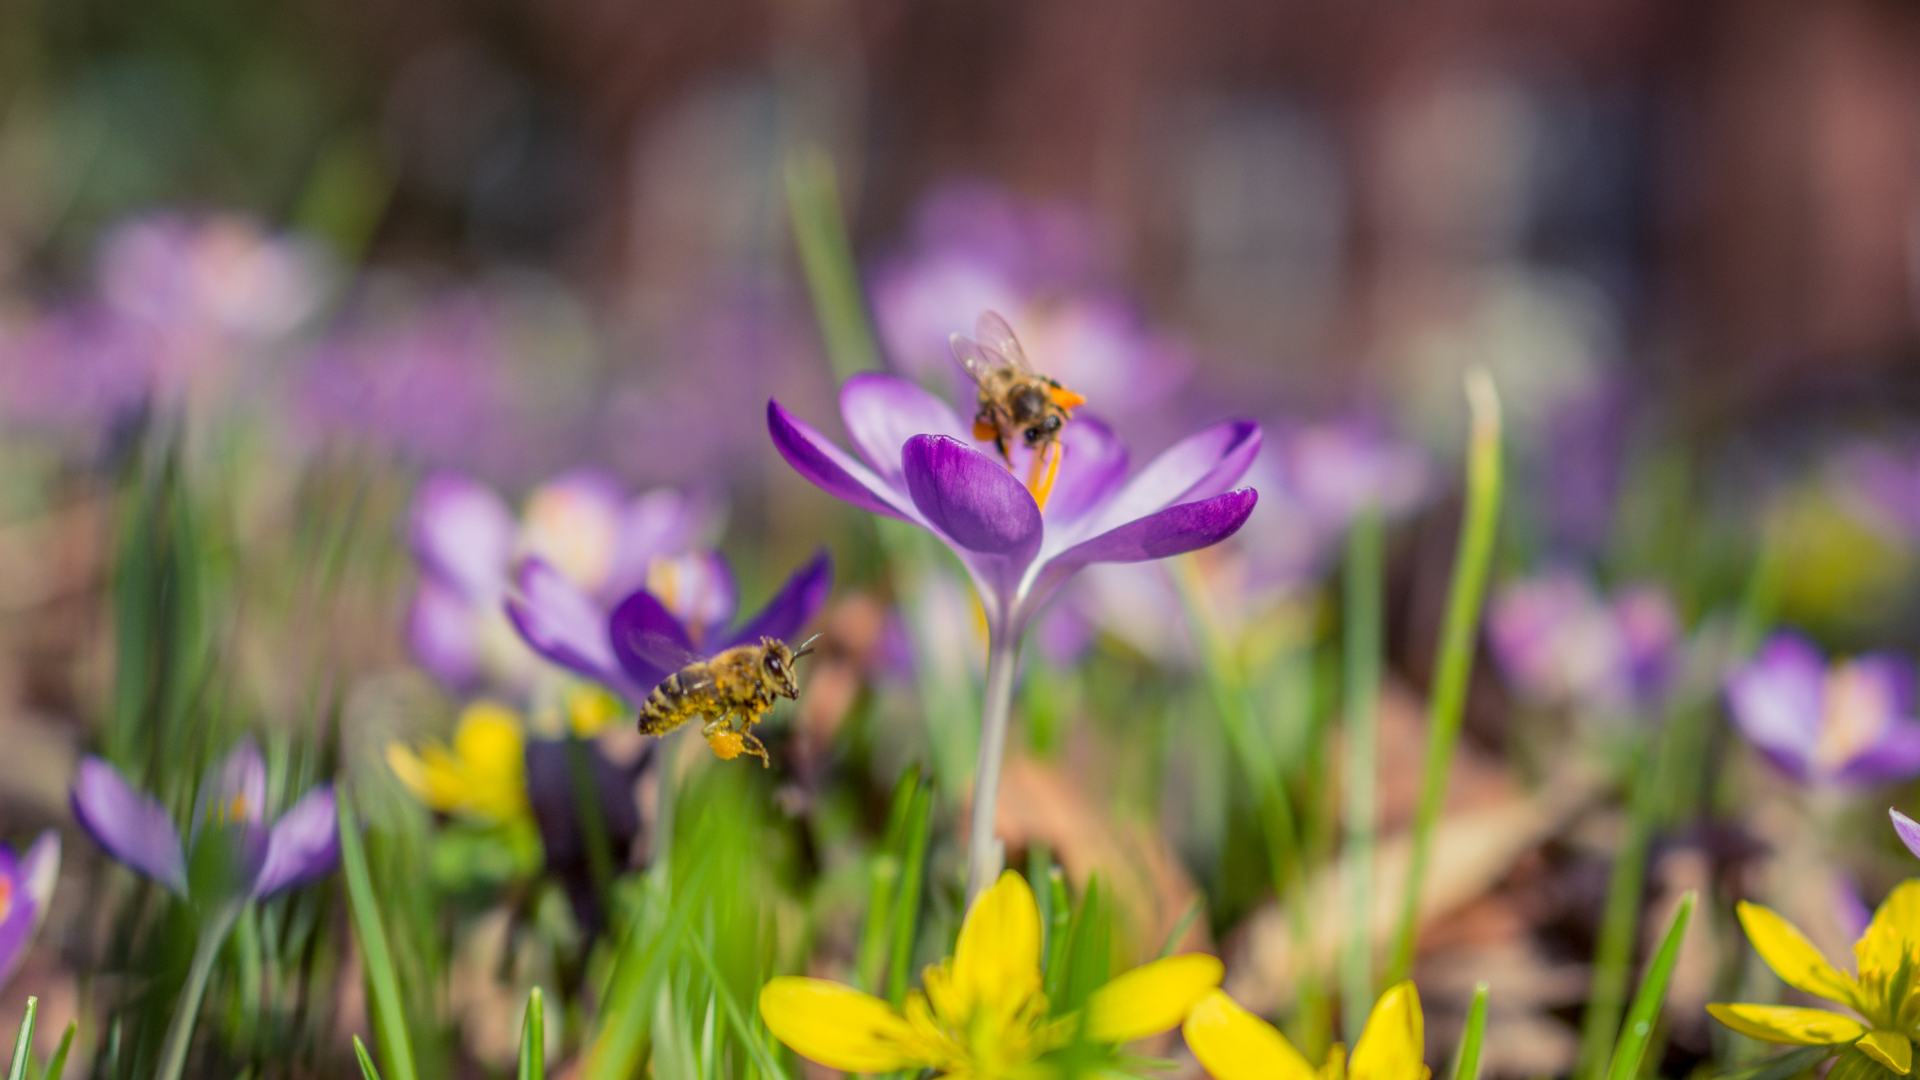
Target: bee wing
[
  {"x": 993, "y": 333},
  {"x": 974, "y": 358}
]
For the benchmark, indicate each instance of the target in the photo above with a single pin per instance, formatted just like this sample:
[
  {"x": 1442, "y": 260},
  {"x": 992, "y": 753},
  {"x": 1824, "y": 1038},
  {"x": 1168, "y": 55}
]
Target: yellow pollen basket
[{"x": 726, "y": 745}]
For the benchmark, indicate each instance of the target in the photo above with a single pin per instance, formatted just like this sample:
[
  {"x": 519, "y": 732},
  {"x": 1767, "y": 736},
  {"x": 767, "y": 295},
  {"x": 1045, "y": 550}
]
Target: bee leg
[
  {"x": 1045, "y": 470},
  {"x": 754, "y": 747}
]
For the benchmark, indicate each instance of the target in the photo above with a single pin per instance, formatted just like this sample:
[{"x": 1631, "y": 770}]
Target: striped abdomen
[{"x": 680, "y": 697}]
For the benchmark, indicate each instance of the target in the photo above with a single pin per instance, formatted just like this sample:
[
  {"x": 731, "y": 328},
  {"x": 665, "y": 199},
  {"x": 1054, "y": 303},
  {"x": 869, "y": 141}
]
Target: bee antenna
[{"x": 805, "y": 647}]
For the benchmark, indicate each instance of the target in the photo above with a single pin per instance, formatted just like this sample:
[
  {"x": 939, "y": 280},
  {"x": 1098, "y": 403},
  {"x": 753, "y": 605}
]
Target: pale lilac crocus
[
  {"x": 581, "y": 525},
  {"x": 687, "y": 609},
  {"x": 259, "y": 857},
  {"x": 26, "y": 885},
  {"x": 1560, "y": 642},
  {"x": 1848, "y": 722},
  {"x": 917, "y": 462},
  {"x": 1907, "y": 829}
]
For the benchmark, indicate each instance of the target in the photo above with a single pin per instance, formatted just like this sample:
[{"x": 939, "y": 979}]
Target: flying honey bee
[
  {"x": 1017, "y": 403},
  {"x": 732, "y": 691}
]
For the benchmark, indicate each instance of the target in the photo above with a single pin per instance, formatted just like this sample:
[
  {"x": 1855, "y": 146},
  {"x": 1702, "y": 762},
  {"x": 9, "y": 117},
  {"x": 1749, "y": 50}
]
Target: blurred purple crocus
[
  {"x": 921, "y": 465},
  {"x": 1908, "y": 830},
  {"x": 26, "y": 884},
  {"x": 581, "y": 526},
  {"x": 686, "y": 610},
  {"x": 1560, "y": 642},
  {"x": 1849, "y": 722},
  {"x": 257, "y": 858}
]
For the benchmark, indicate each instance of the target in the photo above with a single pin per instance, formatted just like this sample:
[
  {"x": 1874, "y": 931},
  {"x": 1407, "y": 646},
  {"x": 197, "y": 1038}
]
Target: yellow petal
[
  {"x": 1393, "y": 1045},
  {"x": 1796, "y": 960},
  {"x": 998, "y": 954},
  {"x": 1233, "y": 1044},
  {"x": 1151, "y": 998},
  {"x": 1889, "y": 1048},
  {"x": 1893, "y": 935},
  {"x": 838, "y": 1026},
  {"x": 1788, "y": 1024}
]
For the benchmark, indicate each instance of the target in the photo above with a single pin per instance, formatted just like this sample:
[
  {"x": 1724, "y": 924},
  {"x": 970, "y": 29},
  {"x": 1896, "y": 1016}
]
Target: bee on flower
[
  {"x": 1234, "y": 1044},
  {"x": 982, "y": 1012},
  {"x": 1882, "y": 1000}
]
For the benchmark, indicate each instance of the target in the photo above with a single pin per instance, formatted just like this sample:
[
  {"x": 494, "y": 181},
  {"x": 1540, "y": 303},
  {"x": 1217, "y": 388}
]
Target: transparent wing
[
  {"x": 993, "y": 333},
  {"x": 974, "y": 357}
]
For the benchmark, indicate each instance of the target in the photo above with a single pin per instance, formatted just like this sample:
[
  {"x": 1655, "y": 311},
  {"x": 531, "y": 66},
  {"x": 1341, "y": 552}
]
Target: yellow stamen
[{"x": 1045, "y": 470}]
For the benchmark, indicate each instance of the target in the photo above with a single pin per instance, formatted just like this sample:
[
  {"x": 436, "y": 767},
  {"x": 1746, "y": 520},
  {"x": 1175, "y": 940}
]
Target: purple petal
[
  {"x": 1173, "y": 531},
  {"x": 698, "y": 589},
  {"x": 22, "y": 915},
  {"x": 561, "y": 623},
  {"x": 573, "y": 522},
  {"x": 1777, "y": 699},
  {"x": 1893, "y": 757},
  {"x": 792, "y": 607},
  {"x": 830, "y": 469},
  {"x": 1198, "y": 467},
  {"x": 655, "y": 525},
  {"x": 303, "y": 845},
  {"x": 1908, "y": 829},
  {"x": 975, "y": 504},
  {"x": 127, "y": 825},
  {"x": 648, "y": 642},
  {"x": 39, "y": 871},
  {"x": 463, "y": 533},
  {"x": 883, "y": 411},
  {"x": 235, "y": 789},
  {"x": 1094, "y": 466},
  {"x": 443, "y": 633}
]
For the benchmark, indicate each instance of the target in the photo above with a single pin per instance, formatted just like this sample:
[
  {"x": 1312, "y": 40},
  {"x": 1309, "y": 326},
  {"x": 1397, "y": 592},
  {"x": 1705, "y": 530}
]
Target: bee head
[
  {"x": 1042, "y": 430},
  {"x": 777, "y": 666}
]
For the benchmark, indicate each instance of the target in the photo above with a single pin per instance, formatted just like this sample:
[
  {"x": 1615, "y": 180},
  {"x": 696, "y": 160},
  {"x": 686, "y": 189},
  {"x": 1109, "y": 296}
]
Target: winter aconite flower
[
  {"x": 230, "y": 849},
  {"x": 1234, "y": 1044},
  {"x": 1908, "y": 829},
  {"x": 1884, "y": 996},
  {"x": 981, "y": 1013},
  {"x": 26, "y": 884},
  {"x": 1850, "y": 722},
  {"x": 480, "y": 776}
]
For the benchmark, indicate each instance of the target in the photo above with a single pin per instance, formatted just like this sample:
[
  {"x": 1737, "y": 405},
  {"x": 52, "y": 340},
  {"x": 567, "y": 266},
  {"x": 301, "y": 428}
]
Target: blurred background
[{"x": 313, "y": 243}]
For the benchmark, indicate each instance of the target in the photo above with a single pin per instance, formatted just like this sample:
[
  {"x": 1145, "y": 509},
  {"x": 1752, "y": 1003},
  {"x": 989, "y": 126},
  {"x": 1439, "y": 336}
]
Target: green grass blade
[
  {"x": 23, "y": 1046},
  {"x": 871, "y": 959},
  {"x": 1466, "y": 1061},
  {"x": 367, "y": 1071},
  {"x": 1479, "y": 525},
  {"x": 383, "y": 984},
  {"x": 1782, "y": 1067},
  {"x": 1361, "y": 618},
  {"x": 533, "y": 1039},
  {"x": 57, "y": 1064},
  {"x": 1619, "y": 925},
  {"x": 826, "y": 256},
  {"x": 1645, "y": 1010},
  {"x": 906, "y": 913}
]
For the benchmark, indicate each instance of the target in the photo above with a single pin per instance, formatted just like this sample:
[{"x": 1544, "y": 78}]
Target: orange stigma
[
  {"x": 1045, "y": 470},
  {"x": 6, "y": 897}
]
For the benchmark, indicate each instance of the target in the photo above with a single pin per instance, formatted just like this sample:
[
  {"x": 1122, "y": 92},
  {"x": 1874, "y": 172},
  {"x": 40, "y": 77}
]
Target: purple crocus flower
[
  {"x": 922, "y": 465},
  {"x": 1559, "y": 641},
  {"x": 582, "y": 525},
  {"x": 26, "y": 884},
  {"x": 1908, "y": 830},
  {"x": 262, "y": 858},
  {"x": 1850, "y": 722},
  {"x": 631, "y": 646}
]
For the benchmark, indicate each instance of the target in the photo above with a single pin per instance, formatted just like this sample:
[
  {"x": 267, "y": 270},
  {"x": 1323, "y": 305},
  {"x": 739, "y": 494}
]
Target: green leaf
[
  {"x": 367, "y": 1071},
  {"x": 1466, "y": 592},
  {"x": 906, "y": 912},
  {"x": 826, "y": 256},
  {"x": 383, "y": 984},
  {"x": 1645, "y": 1010},
  {"x": 57, "y": 1064},
  {"x": 23, "y": 1046},
  {"x": 533, "y": 1039},
  {"x": 1466, "y": 1061}
]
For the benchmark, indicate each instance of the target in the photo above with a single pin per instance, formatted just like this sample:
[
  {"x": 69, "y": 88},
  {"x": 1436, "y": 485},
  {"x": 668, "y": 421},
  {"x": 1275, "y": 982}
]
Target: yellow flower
[
  {"x": 1234, "y": 1044},
  {"x": 482, "y": 776},
  {"x": 1885, "y": 994},
  {"x": 982, "y": 1012}
]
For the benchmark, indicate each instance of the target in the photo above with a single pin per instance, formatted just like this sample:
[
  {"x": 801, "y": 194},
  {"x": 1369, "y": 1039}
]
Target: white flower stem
[
  {"x": 984, "y": 856},
  {"x": 213, "y": 934}
]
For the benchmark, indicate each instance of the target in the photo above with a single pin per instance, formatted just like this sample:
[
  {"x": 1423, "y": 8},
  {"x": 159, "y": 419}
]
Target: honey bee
[
  {"x": 732, "y": 691},
  {"x": 1016, "y": 402}
]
